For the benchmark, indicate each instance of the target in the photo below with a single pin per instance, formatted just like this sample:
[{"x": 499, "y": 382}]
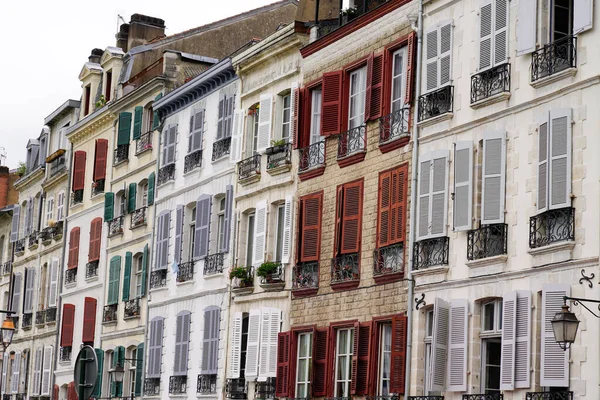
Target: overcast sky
[{"x": 46, "y": 43}]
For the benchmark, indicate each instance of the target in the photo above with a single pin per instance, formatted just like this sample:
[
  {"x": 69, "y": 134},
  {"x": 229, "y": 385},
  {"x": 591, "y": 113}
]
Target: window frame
[
  {"x": 221, "y": 223},
  {"x": 309, "y": 367},
  {"x": 284, "y": 123},
  {"x": 251, "y": 216},
  {"x": 138, "y": 261},
  {"x": 360, "y": 73},
  {"x": 381, "y": 352},
  {"x": 279, "y": 231},
  {"x": 315, "y": 115},
  {"x": 347, "y": 382},
  {"x": 403, "y": 88},
  {"x": 192, "y": 234},
  {"x": 497, "y": 322}
]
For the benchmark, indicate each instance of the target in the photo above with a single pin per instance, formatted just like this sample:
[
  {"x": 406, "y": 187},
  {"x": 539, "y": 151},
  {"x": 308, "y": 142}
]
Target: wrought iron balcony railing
[
  {"x": 552, "y": 226},
  {"x": 132, "y": 308},
  {"x": 249, "y": 168},
  {"x": 553, "y": 58},
  {"x": 138, "y": 217},
  {"x": 394, "y": 126},
  {"x": 436, "y": 103},
  {"x": 207, "y": 384},
  {"x": 305, "y": 276},
  {"x": 57, "y": 232},
  {"x": 27, "y": 320},
  {"x": 151, "y": 386},
  {"x": 192, "y": 161},
  {"x": 430, "y": 252},
  {"x": 71, "y": 276},
  {"x": 487, "y": 241},
  {"x": 166, "y": 173},
  {"x": 244, "y": 282},
  {"x": 185, "y": 272},
  {"x": 40, "y": 317},
  {"x": 98, "y": 187},
  {"x": 566, "y": 395},
  {"x": 236, "y": 389},
  {"x": 177, "y": 384},
  {"x": 57, "y": 165},
  {"x": 20, "y": 245},
  {"x": 276, "y": 277},
  {"x": 46, "y": 235},
  {"x": 265, "y": 389},
  {"x": 279, "y": 156},
  {"x": 213, "y": 263},
  {"x": 65, "y": 354},
  {"x": 91, "y": 269},
  {"x": 110, "y": 313},
  {"x": 352, "y": 141},
  {"x": 312, "y": 156},
  {"x": 115, "y": 226},
  {"x": 344, "y": 268},
  {"x": 76, "y": 197},
  {"x": 390, "y": 397},
  {"x": 16, "y": 322},
  {"x": 158, "y": 278},
  {"x": 32, "y": 240},
  {"x": 143, "y": 143},
  {"x": 339, "y": 398},
  {"x": 346, "y": 16},
  {"x": 50, "y": 315},
  {"x": 7, "y": 268},
  {"x": 121, "y": 153},
  {"x": 425, "y": 398},
  {"x": 483, "y": 396},
  {"x": 388, "y": 260},
  {"x": 221, "y": 148},
  {"x": 490, "y": 82}
]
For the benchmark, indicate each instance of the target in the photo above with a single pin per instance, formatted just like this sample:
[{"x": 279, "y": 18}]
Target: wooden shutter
[
  {"x": 16, "y": 292},
  {"x": 16, "y": 370},
  {"x": 144, "y": 269},
  {"x": 155, "y": 347},
  {"x": 320, "y": 358},
  {"x": 354, "y": 360},
  {"x": 260, "y": 233},
  {"x": 299, "y": 117},
  {"x": 526, "y": 27},
  {"x": 274, "y": 329},
  {"x": 411, "y": 51},
  {"x": 114, "y": 275},
  {"x": 55, "y": 391},
  {"x": 28, "y": 217},
  {"x": 97, "y": 392},
  {"x": 439, "y": 344},
  {"x": 14, "y": 227},
  {"x": 5, "y": 361},
  {"x": 398, "y": 194},
  {"x": 431, "y": 59},
  {"x": 210, "y": 343},
  {"x": 109, "y": 206},
  {"x": 79, "y": 170},
  {"x": 29, "y": 290},
  {"x": 151, "y": 179},
  {"x": 221, "y": 116},
  {"x": 287, "y": 229},
  {"x": 457, "y": 351},
  {"x": 252, "y": 350},
  {"x": 53, "y": 290},
  {"x": 331, "y": 106},
  {"x": 171, "y": 145},
  {"x": 131, "y": 203},
  {"x": 423, "y": 209},
  {"x": 263, "y": 353},
  {"x": 228, "y": 217},
  {"x": 89, "y": 320},
  {"x": 398, "y": 354},
  {"x": 236, "y": 346},
  {"x": 127, "y": 275},
  {"x": 283, "y": 364},
  {"x": 71, "y": 391},
  {"x": 554, "y": 368},
  {"x": 73, "y": 248},
  {"x": 364, "y": 342},
  {"x": 37, "y": 371},
  {"x": 47, "y": 370},
  {"x": 294, "y": 112},
  {"x": 310, "y": 241},
  {"x": 182, "y": 339},
  {"x": 383, "y": 209},
  {"x": 445, "y": 53},
  {"x": 264, "y": 121},
  {"x": 368, "y": 87},
  {"x": 95, "y": 239},
  {"x": 523, "y": 340},
  {"x": 139, "y": 370},
  {"x": 196, "y": 129},
  {"x": 583, "y": 12},
  {"x": 68, "y": 322},
  {"x": 463, "y": 185},
  {"x": 124, "y": 128},
  {"x": 100, "y": 161},
  {"x": 162, "y": 244},
  {"x": 352, "y": 217},
  {"x": 235, "y": 153},
  {"x": 486, "y": 34},
  {"x": 178, "y": 233},
  {"x": 560, "y": 158},
  {"x": 202, "y": 234},
  {"x": 494, "y": 181},
  {"x": 543, "y": 173},
  {"x": 376, "y": 77},
  {"x": 439, "y": 193},
  {"x": 138, "y": 113},
  {"x": 500, "y": 31}
]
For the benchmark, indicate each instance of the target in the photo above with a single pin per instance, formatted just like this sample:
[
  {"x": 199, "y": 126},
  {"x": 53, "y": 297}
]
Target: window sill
[
  {"x": 131, "y": 317},
  {"x": 195, "y": 171},
  {"x": 159, "y": 289},
  {"x": 567, "y": 73},
  {"x": 272, "y": 287},
  {"x": 311, "y": 173},
  {"x": 250, "y": 180},
  {"x": 109, "y": 322},
  {"x": 60, "y": 362},
  {"x": 122, "y": 162},
  {"x": 282, "y": 169},
  {"x": 223, "y": 157},
  {"x": 185, "y": 283},
  {"x": 487, "y": 266},
  {"x": 434, "y": 274},
  {"x": 75, "y": 206},
  {"x": 435, "y": 120},
  {"x": 207, "y": 396},
  {"x": 213, "y": 276},
  {"x": 352, "y": 159},
  {"x": 396, "y": 144},
  {"x": 144, "y": 151},
  {"x": 297, "y": 293},
  {"x": 71, "y": 285},
  {"x": 243, "y": 291},
  {"x": 388, "y": 278},
  {"x": 497, "y": 98},
  {"x": 97, "y": 195},
  {"x": 92, "y": 278},
  {"x": 138, "y": 226},
  {"x": 347, "y": 285},
  {"x": 552, "y": 253}
]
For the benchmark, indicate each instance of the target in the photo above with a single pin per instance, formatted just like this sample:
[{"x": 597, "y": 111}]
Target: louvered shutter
[
  {"x": 368, "y": 87},
  {"x": 263, "y": 363},
  {"x": 55, "y": 390},
  {"x": 560, "y": 158},
  {"x": 138, "y": 113},
  {"x": 543, "y": 137},
  {"x": 68, "y": 321},
  {"x": 95, "y": 239},
  {"x": 37, "y": 371},
  {"x": 16, "y": 293},
  {"x": 49, "y": 210},
  {"x": 398, "y": 354},
  {"x": 5, "y": 361},
  {"x": 485, "y": 34},
  {"x": 29, "y": 217},
  {"x": 439, "y": 193},
  {"x": 363, "y": 354},
  {"x": 14, "y": 227},
  {"x": 178, "y": 233},
  {"x": 155, "y": 347},
  {"x": 463, "y": 185},
  {"x": 114, "y": 276},
  {"x": 252, "y": 349},
  {"x": 97, "y": 392},
  {"x": 311, "y": 208},
  {"x": 26, "y": 218},
  {"x": 60, "y": 209},
  {"x": 445, "y": 53},
  {"x": 202, "y": 234},
  {"x": 583, "y": 12},
  {"x": 439, "y": 344},
  {"x": 457, "y": 351},
  {"x": 283, "y": 364},
  {"x": 144, "y": 269},
  {"x": 287, "y": 230},
  {"x": 228, "y": 217},
  {"x": 210, "y": 344},
  {"x": 139, "y": 370},
  {"x": 260, "y": 233},
  {"x": 127, "y": 275},
  {"x": 131, "y": 200},
  {"x": 47, "y": 370},
  {"x": 89, "y": 320},
  {"x": 352, "y": 217},
  {"x": 423, "y": 209},
  {"x": 236, "y": 346},
  {"x": 554, "y": 368},
  {"x": 431, "y": 59},
  {"x": 383, "y": 209},
  {"x": 53, "y": 289},
  {"x": 151, "y": 179},
  {"x": 109, "y": 206},
  {"x": 297, "y": 108},
  {"x": 376, "y": 77},
  {"x": 523, "y": 340},
  {"x": 235, "y": 154},
  {"x": 398, "y": 193},
  {"x": 331, "y": 107},
  {"x": 79, "y": 170},
  {"x": 196, "y": 130},
  {"x": 16, "y": 370},
  {"x": 411, "y": 51},
  {"x": 171, "y": 145},
  {"x": 124, "y": 132},
  {"x": 494, "y": 181},
  {"x": 73, "y": 248},
  {"x": 500, "y": 31},
  {"x": 274, "y": 329},
  {"x": 320, "y": 358},
  {"x": 220, "y": 117},
  {"x": 264, "y": 121},
  {"x": 29, "y": 290},
  {"x": 182, "y": 339},
  {"x": 354, "y": 359},
  {"x": 526, "y": 27},
  {"x": 101, "y": 155},
  {"x": 162, "y": 245},
  {"x": 71, "y": 391}
]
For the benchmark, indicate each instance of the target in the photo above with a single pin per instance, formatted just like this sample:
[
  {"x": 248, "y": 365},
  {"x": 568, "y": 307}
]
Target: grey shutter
[
  {"x": 191, "y": 134},
  {"x": 287, "y": 230},
  {"x": 202, "y": 234},
  {"x": 445, "y": 53},
  {"x": 457, "y": 351},
  {"x": 16, "y": 370},
  {"x": 196, "y": 130},
  {"x": 162, "y": 241},
  {"x": 507, "y": 360},
  {"x": 165, "y": 144},
  {"x": 493, "y": 176},
  {"x": 264, "y": 122},
  {"x": 227, "y": 219},
  {"x": 155, "y": 347},
  {"x": 500, "y": 31},
  {"x": 485, "y": 34},
  {"x": 439, "y": 193},
  {"x": 37, "y": 371},
  {"x": 526, "y": 27},
  {"x": 182, "y": 340},
  {"x": 560, "y": 158},
  {"x": 542, "y": 175},
  {"x": 583, "y": 15},
  {"x": 53, "y": 285},
  {"x": 26, "y": 231},
  {"x": 35, "y": 154},
  {"x": 220, "y": 116},
  {"x": 47, "y": 370},
  {"x": 210, "y": 343},
  {"x": 14, "y": 227},
  {"x": 172, "y": 145},
  {"x": 431, "y": 63},
  {"x": 29, "y": 290},
  {"x": 424, "y": 196},
  {"x": 463, "y": 185},
  {"x": 16, "y": 294},
  {"x": 523, "y": 340},
  {"x": 439, "y": 344},
  {"x": 554, "y": 368},
  {"x": 31, "y": 213},
  {"x": 236, "y": 346},
  {"x": 178, "y": 233},
  {"x": 252, "y": 349}
]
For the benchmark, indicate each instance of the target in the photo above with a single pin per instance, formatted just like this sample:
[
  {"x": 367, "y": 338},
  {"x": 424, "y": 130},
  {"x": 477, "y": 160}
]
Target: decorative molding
[
  {"x": 588, "y": 279},
  {"x": 420, "y": 302}
]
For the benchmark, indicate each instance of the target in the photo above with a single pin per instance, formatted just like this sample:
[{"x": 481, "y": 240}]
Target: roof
[{"x": 63, "y": 109}]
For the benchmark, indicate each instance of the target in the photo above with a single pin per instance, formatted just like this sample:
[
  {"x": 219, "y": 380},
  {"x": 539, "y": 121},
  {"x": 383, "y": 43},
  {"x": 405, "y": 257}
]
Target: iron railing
[
  {"x": 389, "y": 397},
  {"x": 46, "y": 235},
  {"x": 98, "y": 187},
  {"x": 40, "y": 317},
  {"x": 277, "y": 277},
  {"x": 352, "y": 141},
  {"x": 265, "y": 389},
  {"x": 483, "y": 396},
  {"x": 132, "y": 308},
  {"x": 110, "y": 313},
  {"x": 65, "y": 354},
  {"x": 57, "y": 231},
  {"x": 436, "y": 103},
  {"x": 236, "y": 389},
  {"x": 50, "y": 314},
  {"x": 346, "y": 16},
  {"x": 566, "y": 395},
  {"x": 553, "y": 58},
  {"x": 7, "y": 268},
  {"x": 206, "y": 384},
  {"x": 425, "y": 398},
  {"x": 178, "y": 384},
  {"x": 213, "y": 263},
  {"x": 185, "y": 272},
  {"x": 552, "y": 226},
  {"x": 57, "y": 165},
  {"x": 138, "y": 217},
  {"x": 487, "y": 241},
  {"x": 71, "y": 276},
  {"x": 221, "y": 148},
  {"x": 344, "y": 268},
  {"x": 76, "y": 197},
  {"x": 143, "y": 143},
  {"x": 430, "y": 252},
  {"x": 115, "y": 226},
  {"x": 27, "y": 320},
  {"x": 158, "y": 278},
  {"x": 394, "y": 126},
  {"x": 250, "y": 167},
  {"x": 166, "y": 173},
  {"x": 490, "y": 82},
  {"x": 312, "y": 156},
  {"x": 32, "y": 240},
  {"x": 388, "y": 259},
  {"x": 20, "y": 245},
  {"x": 305, "y": 276},
  {"x": 151, "y": 386},
  {"x": 192, "y": 161},
  {"x": 16, "y": 322},
  {"x": 279, "y": 156},
  {"x": 121, "y": 153},
  {"x": 339, "y": 398},
  {"x": 245, "y": 282},
  {"x": 91, "y": 269}
]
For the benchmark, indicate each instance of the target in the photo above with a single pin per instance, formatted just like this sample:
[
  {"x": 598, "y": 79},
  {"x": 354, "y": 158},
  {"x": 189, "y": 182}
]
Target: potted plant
[
  {"x": 242, "y": 275},
  {"x": 349, "y": 14},
  {"x": 267, "y": 270},
  {"x": 277, "y": 146}
]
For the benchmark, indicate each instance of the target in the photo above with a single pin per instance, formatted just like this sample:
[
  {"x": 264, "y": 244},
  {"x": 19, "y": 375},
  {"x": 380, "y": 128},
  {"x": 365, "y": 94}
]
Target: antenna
[
  {"x": 2, "y": 155},
  {"x": 119, "y": 18}
]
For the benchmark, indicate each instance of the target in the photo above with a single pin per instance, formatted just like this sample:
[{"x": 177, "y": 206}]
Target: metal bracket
[
  {"x": 420, "y": 302},
  {"x": 588, "y": 279}
]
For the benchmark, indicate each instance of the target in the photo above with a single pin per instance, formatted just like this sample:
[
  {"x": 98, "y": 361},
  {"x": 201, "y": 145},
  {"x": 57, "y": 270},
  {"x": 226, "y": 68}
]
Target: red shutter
[
  {"x": 339, "y": 210},
  {"x": 89, "y": 320},
  {"x": 375, "y": 77},
  {"x": 331, "y": 110},
  {"x": 398, "y": 355},
  {"x": 368, "y": 92},
  {"x": 297, "y": 117},
  {"x": 383, "y": 214},
  {"x": 55, "y": 392},
  {"x": 68, "y": 322},
  {"x": 320, "y": 362},
  {"x": 363, "y": 383},
  {"x": 399, "y": 183},
  {"x": 354, "y": 367},
  {"x": 79, "y": 170},
  {"x": 100, "y": 161},
  {"x": 73, "y": 248},
  {"x": 410, "y": 80},
  {"x": 283, "y": 364},
  {"x": 306, "y": 115},
  {"x": 311, "y": 227},
  {"x": 352, "y": 217},
  {"x": 95, "y": 239},
  {"x": 71, "y": 391}
]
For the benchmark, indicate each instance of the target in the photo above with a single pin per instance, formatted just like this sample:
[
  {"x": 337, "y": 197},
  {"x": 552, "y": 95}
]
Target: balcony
[
  {"x": 265, "y": 390},
  {"x": 207, "y": 384},
  {"x": 50, "y": 315},
  {"x": 566, "y": 395},
  {"x": 490, "y": 86},
  {"x": 430, "y": 252},
  {"x": 32, "y": 241},
  {"x": 273, "y": 279},
  {"x": 6, "y": 268},
  {"x": 121, "y": 154},
  {"x": 71, "y": 276},
  {"x": 57, "y": 232},
  {"x": 115, "y": 227},
  {"x": 76, "y": 197},
  {"x": 185, "y": 273},
  {"x": 213, "y": 264},
  {"x": 236, "y": 389},
  {"x": 165, "y": 174},
  {"x": 46, "y": 235},
  {"x": 158, "y": 278},
  {"x": 109, "y": 314},
  {"x": 390, "y": 397},
  {"x": 312, "y": 157},
  {"x": 221, "y": 148},
  {"x": 98, "y": 187},
  {"x": 279, "y": 159},
  {"x": 59, "y": 164},
  {"x": 249, "y": 169},
  {"x": 352, "y": 145},
  {"x": 20, "y": 246},
  {"x": 132, "y": 308},
  {"x": 138, "y": 217},
  {"x": 388, "y": 263},
  {"x": 436, "y": 105},
  {"x": 346, "y": 16},
  {"x": 192, "y": 161},
  {"x": 551, "y": 227},
  {"x": 305, "y": 278},
  {"x": 40, "y": 317},
  {"x": 344, "y": 270},
  {"x": 487, "y": 241},
  {"x": 483, "y": 396},
  {"x": 152, "y": 387},
  {"x": 552, "y": 59},
  {"x": 394, "y": 126},
  {"x": 27, "y": 321},
  {"x": 143, "y": 143},
  {"x": 65, "y": 354},
  {"x": 177, "y": 384},
  {"x": 243, "y": 281},
  {"x": 91, "y": 269}
]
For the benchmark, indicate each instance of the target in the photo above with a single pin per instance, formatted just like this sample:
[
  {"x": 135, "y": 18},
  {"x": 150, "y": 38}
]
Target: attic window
[
  {"x": 87, "y": 99},
  {"x": 108, "y": 86}
]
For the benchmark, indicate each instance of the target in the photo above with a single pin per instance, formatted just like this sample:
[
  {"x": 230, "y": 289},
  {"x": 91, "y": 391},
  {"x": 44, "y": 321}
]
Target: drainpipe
[{"x": 413, "y": 200}]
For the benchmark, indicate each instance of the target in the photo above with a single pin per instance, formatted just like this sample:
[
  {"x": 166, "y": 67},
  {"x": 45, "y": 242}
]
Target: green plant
[
  {"x": 267, "y": 268},
  {"x": 238, "y": 272},
  {"x": 101, "y": 101},
  {"x": 350, "y": 12},
  {"x": 279, "y": 142},
  {"x": 21, "y": 168}
]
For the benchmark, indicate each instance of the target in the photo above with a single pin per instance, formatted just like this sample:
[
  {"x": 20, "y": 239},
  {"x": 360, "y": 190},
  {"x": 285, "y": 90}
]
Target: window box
[
  {"x": 312, "y": 157},
  {"x": 305, "y": 278},
  {"x": 165, "y": 174},
  {"x": 152, "y": 387},
  {"x": 27, "y": 321},
  {"x": 352, "y": 146},
  {"x": 551, "y": 227},
  {"x": 57, "y": 233},
  {"x": 394, "y": 130},
  {"x": 213, "y": 264},
  {"x": 143, "y": 143},
  {"x": 207, "y": 384},
  {"x": 58, "y": 164},
  {"x": 91, "y": 269},
  {"x": 50, "y": 315},
  {"x": 121, "y": 154},
  {"x": 71, "y": 276},
  {"x": 40, "y": 317},
  {"x": 185, "y": 272},
  {"x": 554, "y": 61},
  {"x": 32, "y": 241},
  {"x": 265, "y": 390},
  {"x": 236, "y": 388},
  {"x": 279, "y": 159},
  {"x": 242, "y": 284},
  {"x": 115, "y": 227},
  {"x": 221, "y": 148},
  {"x": 46, "y": 235},
  {"x": 566, "y": 395},
  {"x": 388, "y": 263},
  {"x": 158, "y": 279},
  {"x": 76, "y": 197},
  {"x": 431, "y": 252},
  {"x": 345, "y": 271},
  {"x": 436, "y": 105},
  {"x": 98, "y": 187},
  {"x": 487, "y": 241},
  {"x": 249, "y": 170},
  {"x": 138, "y": 217},
  {"x": 132, "y": 308},
  {"x": 490, "y": 86},
  {"x": 109, "y": 316},
  {"x": 192, "y": 161},
  {"x": 274, "y": 281}
]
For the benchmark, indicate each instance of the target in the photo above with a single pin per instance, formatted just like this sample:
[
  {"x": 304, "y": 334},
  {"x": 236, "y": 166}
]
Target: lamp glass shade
[
  {"x": 6, "y": 332},
  {"x": 565, "y": 325},
  {"x": 118, "y": 373}
]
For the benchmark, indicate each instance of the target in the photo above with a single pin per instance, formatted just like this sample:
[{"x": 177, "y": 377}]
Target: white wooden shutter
[
  {"x": 431, "y": 57},
  {"x": 494, "y": 180},
  {"x": 37, "y": 371},
  {"x": 274, "y": 329},
  {"x": 264, "y": 121},
  {"x": 252, "y": 349},
  {"x": 16, "y": 295},
  {"x": 500, "y": 31},
  {"x": 53, "y": 285},
  {"x": 29, "y": 290},
  {"x": 294, "y": 108},
  {"x": 5, "y": 361},
  {"x": 287, "y": 230},
  {"x": 424, "y": 196},
  {"x": 16, "y": 370},
  {"x": 236, "y": 346},
  {"x": 485, "y": 34},
  {"x": 60, "y": 209},
  {"x": 227, "y": 219},
  {"x": 210, "y": 344},
  {"x": 27, "y": 210},
  {"x": 542, "y": 175},
  {"x": 49, "y": 209},
  {"x": 260, "y": 231},
  {"x": 560, "y": 158},
  {"x": 170, "y": 145},
  {"x": 235, "y": 154},
  {"x": 554, "y": 368},
  {"x": 47, "y": 370},
  {"x": 526, "y": 27},
  {"x": 463, "y": 185},
  {"x": 583, "y": 12},
  {"x": 445, "y": 53},
  {"x": 265, "y": 334},
  {"x": 439, "y": 193},
  {"x": 457, "y": 352},
  {"x": 439, "y": 345},
  {"x": 202, "y": 234},
  {"x": 523, "y": 340},
  {"x": 178, "y": 233},
  {"x": 507, "y": 360},
  {"x": 14, "y": 227}
]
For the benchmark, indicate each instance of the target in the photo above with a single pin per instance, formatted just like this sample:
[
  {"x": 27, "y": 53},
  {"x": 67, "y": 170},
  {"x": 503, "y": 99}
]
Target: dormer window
[
  {"x": 108, "y": 86},
  {"x": 87, "y": 99}
]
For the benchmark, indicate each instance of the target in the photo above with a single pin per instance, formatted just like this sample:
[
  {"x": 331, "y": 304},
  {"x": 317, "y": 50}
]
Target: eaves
[
  {"x": 29, "y": 179},
  {"x": 276, "y": 48},
  {"x": 138, "y": 94},
  {"x": 90, "y": 125}
]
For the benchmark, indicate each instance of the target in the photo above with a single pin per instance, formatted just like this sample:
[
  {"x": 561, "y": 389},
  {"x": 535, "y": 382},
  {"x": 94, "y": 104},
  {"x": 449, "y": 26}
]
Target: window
[
  {"x": 148, "y": 118},
  {"x": 385, "y": 354},
  {"x": 391, "y": 225},
  {"x": 427, "y": 340},
  {"x": 491, "y": 346},
  {"x": 138, "y": 263},
  {"x": 433, "y": 194},
  {"x": 309, "y": 239},
  {"x": 250, "y": 239},
  {"x": 304, "y": 365},
  {"x": 286, "y": 117},
  {"x": 88, "y": 99},
  {"x": 562, "y": 19},
  {"x": 343, "y": 362},
  {"x": 143, "y": 189},
  {"x": 399, "y": 66},
  {"x": 192, "y": 234},
  {"x": 221, "y": 224},
  {"x": 279, "y": 232},
  {"x": 49, "y": 210},
  {"x": 348, "y": 218},
  {"x": 170, "y": 145},
  {"x": 225, "y": 117},
  {"x": 356, "y": 103},
  {"x": 132, "y": 366},
  {"x": 493, "y": 33},
  {"x": 438, "y": 53},
  {"x": 244, "y": 346},
  {"x": 108, "y": 86},
  {"x": 492, "y": 317},
  {"x": 315, "y": 118},
  {"x": 122, "y": 202},
  {"x": 254, "y": 117},
  {"x": 60, "y": 209}
]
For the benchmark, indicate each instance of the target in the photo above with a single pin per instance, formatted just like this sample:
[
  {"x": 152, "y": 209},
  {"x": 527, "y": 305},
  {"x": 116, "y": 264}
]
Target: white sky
[{"x": 45, "y": 44}]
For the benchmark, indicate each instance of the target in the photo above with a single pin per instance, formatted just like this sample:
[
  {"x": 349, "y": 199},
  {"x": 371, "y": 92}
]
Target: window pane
[
  {"x": 250, "y": 243},
  {"x": 488, "y": 317},
  {"x": 279, "y": 239}
]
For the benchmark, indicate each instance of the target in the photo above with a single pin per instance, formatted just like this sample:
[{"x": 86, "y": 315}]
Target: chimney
[
  {"x": 122, "y": 37},
  {"x": 95, "y": 56},
  {"x": 141, "y": 30},
  {"x": 4, "y": 185}
]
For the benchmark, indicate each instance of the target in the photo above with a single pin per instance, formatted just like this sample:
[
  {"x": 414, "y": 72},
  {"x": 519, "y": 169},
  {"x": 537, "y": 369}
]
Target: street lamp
[
  {"x": 117, "y": 374},
  {"x": 6, "y": 332},
  {"x": 565, "y": 325}
]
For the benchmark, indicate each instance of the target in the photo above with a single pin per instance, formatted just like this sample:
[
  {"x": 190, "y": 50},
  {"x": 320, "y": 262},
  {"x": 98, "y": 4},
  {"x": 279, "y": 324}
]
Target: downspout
[{"x": 413, "y": 201}]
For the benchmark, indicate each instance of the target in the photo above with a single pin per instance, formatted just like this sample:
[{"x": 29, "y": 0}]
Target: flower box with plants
[
  {"x": 277, "y": 146},
  {"x": 270, "y": 272},
  {"x": 242, "y": 277}
]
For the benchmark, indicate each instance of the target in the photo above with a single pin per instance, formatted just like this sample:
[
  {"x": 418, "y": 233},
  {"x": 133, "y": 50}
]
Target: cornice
[
  {"x": 53, "y": 181},
  {"x": 29, "y": 178},
  {"x": 131, "y": 98},
  {"x": 90, "y": 125}
]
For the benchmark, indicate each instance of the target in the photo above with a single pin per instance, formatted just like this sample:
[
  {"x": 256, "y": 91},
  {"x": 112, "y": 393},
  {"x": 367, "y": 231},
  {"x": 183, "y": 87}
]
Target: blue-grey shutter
[
  {"x": 162, "y": 242},
  {"x": 559, "y": 152},
  {"x": 178, "y": 233},
  {"x": 202, "y": 233},
  {"x": 16, "y": 294},
  {"x": 463, "y": 185},
  {"x": 14, "y": 227},
  {"x": 182, "y": 340},
  {"x": 155, "y": 347},
  {"x": 493, "y": 177},
  {"x": 210, "y": 343},
  {"x": 227, "y": 219}
]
